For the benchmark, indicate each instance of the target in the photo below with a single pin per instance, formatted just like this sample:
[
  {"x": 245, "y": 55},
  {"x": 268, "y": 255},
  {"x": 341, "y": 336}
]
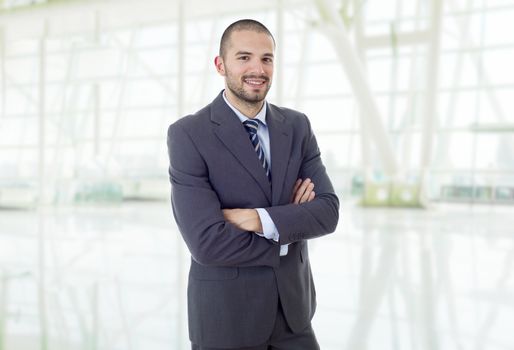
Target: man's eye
[{"x": 243, "y": 58}]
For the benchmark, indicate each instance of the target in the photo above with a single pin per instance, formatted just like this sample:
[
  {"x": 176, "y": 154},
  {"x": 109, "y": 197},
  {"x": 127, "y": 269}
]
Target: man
[{"x": 242, "y": 175}]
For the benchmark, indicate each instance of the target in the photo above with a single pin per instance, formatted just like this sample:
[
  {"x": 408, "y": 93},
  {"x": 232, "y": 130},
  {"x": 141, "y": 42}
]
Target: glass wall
[{"x": 93, "y": 105}]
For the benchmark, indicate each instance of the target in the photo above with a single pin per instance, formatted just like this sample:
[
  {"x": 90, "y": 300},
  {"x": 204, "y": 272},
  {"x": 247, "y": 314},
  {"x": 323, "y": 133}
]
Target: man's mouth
[{"x": 257, "y": 82}]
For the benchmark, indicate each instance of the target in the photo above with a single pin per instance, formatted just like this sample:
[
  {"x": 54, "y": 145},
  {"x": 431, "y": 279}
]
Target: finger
[
  {"x": 304, "y": 191},
  {"x": 311, "y": 196},
  {"x": 295, "y": 188},
  {"x": 301, "y": 190},
  {"x": 297, "y": 194},
  {"x": 307, "y": 193}
]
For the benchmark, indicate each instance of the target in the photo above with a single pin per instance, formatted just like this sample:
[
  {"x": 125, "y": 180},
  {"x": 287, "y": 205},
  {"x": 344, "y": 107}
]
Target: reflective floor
[{"x": 113, "y": 278}]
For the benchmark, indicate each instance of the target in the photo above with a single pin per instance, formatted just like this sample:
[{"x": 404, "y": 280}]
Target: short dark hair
[{"x": 242, "y": 24}]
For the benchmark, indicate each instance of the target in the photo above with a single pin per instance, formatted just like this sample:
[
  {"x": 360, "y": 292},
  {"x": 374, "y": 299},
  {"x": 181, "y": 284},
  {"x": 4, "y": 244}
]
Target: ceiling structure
[{"x": 65, "y": 16}]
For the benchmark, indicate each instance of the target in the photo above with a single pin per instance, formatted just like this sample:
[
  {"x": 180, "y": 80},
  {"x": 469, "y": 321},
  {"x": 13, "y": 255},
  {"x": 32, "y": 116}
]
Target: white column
[
  {"x": 181, "y": 261},
  {"x": 359, "y": 45},
  {"x": 336, "y": 32},
  {"x": 279, "y": 54},
  {"x": 300, "y": 68},
  {"x": 96, "y": 91},
  {"x": 3, "y": 91},
  {"x": 42, "y": 193},
  {"x": 42, "y": 116},
  {"x": 96, "y": 116},
  {"x": 3, "y": 307},
  {"x": 430, "y": 117}
]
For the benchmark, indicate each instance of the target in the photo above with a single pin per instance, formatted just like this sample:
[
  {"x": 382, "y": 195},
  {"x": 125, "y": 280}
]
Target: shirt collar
[{"x": 261, "y": 116}]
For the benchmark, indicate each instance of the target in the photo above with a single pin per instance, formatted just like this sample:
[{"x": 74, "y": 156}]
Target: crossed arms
[
  {"x": 218, "y": 237},
  {"x": 249, "y": 220}
]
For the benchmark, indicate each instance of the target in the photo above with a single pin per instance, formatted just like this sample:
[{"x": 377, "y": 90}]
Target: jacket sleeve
[
  {"x": 319, "y": 217},
  {"x": 211, "y": 240}
]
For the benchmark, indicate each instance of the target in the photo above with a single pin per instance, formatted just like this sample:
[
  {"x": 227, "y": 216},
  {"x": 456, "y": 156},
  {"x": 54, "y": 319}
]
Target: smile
[{"x": 255, "y": 82}]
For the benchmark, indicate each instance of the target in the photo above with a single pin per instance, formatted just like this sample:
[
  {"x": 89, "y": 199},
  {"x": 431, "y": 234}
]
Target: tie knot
[{"x": 251, "y": 126}]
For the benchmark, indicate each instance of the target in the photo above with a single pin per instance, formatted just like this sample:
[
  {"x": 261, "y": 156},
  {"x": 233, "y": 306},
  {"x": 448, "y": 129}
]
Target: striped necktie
[{"x": 251, "y": 127}]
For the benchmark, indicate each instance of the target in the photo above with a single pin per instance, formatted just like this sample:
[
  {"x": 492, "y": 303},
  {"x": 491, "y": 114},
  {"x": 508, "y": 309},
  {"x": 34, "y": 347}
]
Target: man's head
[
  {"x": 246, "y": 60},
  {"x": 242, "y": 24}
]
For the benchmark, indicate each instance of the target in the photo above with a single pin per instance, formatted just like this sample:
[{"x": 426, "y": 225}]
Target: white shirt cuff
[{"x": 269, "y": 230}]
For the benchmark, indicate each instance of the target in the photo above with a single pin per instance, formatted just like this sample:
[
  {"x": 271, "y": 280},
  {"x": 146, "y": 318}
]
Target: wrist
[{"x": 256, "y": 221}]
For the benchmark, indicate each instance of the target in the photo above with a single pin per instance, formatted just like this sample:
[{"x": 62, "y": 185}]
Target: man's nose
[{"x": 258, "y": 67}]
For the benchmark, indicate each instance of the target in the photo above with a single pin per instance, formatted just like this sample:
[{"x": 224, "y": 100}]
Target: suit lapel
[
  {"x": 281, "y": 136},
  {"x": 229, "y": 129}
]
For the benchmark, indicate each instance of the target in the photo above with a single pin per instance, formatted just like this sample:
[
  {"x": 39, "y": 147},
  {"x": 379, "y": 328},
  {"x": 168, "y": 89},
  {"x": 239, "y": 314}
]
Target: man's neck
[{"x": 250, "y": 110}]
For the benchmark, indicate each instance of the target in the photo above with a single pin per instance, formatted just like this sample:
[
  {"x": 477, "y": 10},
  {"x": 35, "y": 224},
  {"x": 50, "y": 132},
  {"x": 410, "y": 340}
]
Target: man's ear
[{"x": 220, "y": 66}]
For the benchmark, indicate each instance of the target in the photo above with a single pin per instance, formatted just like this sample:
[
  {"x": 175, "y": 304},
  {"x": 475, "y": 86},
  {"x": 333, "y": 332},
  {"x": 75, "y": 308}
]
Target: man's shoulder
[
  {"x": 193, "y": 121},
  {"x": 285, "y": 111},
  {"x": 291, "y": 116}
]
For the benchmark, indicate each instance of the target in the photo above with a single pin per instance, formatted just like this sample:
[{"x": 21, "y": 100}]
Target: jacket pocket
[{"x": 212, "y": 273}]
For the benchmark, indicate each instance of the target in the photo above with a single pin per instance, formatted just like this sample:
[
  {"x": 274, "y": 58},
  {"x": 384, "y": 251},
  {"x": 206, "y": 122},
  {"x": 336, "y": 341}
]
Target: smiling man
[
  {"x": 247, "y": 83},
  {"x": 242, "y": 174}
]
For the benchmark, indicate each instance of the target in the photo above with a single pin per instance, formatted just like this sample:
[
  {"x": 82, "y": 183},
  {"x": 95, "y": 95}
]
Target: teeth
[{"x": 255, "y": 82}]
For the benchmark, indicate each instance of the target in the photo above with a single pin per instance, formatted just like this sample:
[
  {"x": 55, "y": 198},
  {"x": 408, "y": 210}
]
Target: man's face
[{"x": 247, "y": 66}]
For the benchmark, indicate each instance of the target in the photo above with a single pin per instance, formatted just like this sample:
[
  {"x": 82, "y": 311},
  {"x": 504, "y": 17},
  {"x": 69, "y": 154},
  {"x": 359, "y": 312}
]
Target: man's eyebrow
[{"x": 249, "y": 53}]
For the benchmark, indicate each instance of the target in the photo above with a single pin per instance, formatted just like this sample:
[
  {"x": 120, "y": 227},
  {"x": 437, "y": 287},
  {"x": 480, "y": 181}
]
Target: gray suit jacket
[{"x": 236, "y": 277}]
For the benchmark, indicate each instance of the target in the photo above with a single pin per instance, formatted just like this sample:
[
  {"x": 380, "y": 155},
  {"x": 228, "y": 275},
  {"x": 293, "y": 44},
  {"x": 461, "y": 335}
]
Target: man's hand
[
  {"x": 249, "y": 220},
  {"x": 244, "y": 219},
  {"x": 303, "y": 191}
]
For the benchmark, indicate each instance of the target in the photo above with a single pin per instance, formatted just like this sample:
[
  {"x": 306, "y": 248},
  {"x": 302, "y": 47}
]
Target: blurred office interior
[{"x": 412, "y": 103}]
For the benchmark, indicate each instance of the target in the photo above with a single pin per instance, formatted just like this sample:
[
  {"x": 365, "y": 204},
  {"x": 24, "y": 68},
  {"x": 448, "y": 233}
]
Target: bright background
[{"x": 412, "y": 103}]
